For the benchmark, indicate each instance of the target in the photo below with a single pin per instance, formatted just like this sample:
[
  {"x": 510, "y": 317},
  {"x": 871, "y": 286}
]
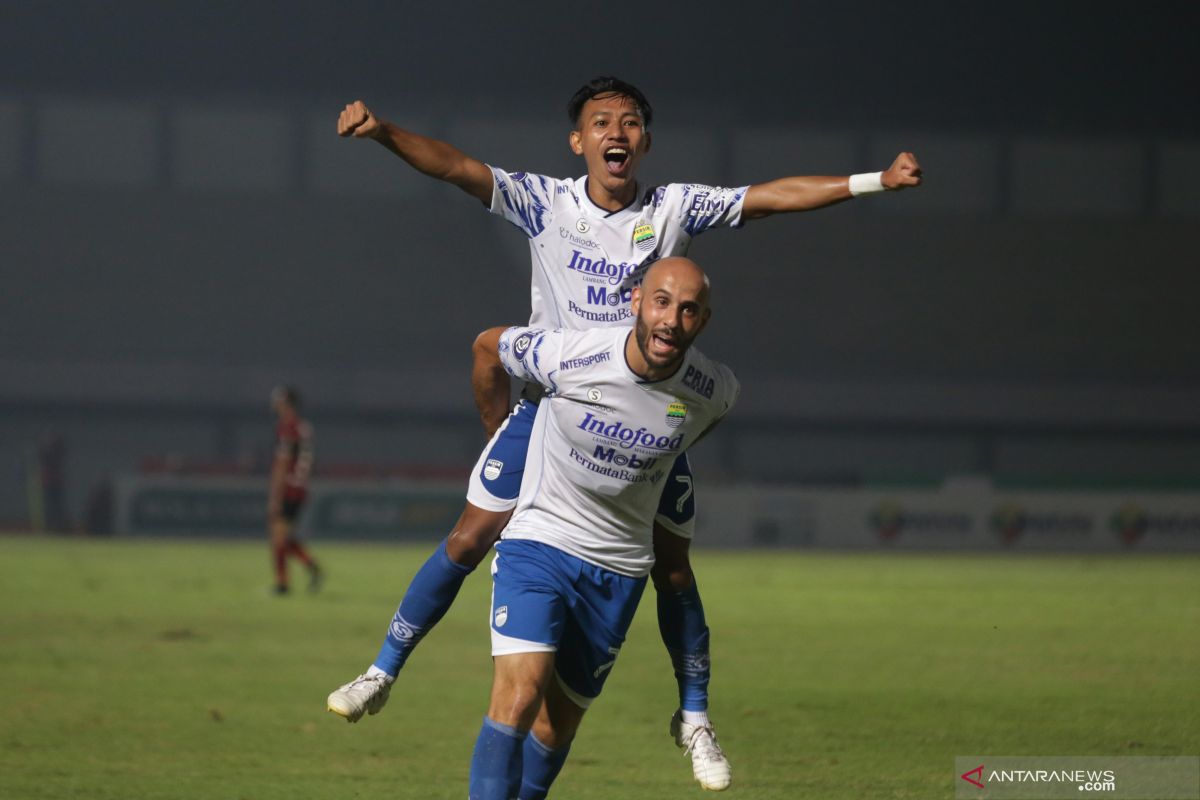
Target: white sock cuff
[
  {"x": 695, "y": 717},
  {"x": 373, "y": 670}
]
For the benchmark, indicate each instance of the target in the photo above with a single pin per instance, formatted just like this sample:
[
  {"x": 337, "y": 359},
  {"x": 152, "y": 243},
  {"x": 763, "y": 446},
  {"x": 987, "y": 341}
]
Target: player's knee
[{"x": 516, "y": 703}]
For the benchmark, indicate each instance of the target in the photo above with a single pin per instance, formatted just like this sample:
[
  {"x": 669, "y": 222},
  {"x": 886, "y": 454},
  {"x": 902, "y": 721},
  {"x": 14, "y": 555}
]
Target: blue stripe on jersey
[{"x": 532, "y": 215}]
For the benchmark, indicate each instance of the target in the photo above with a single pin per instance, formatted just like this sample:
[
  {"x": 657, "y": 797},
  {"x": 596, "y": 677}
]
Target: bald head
[
  {"x": 681, "y": 272},
  {"x": 670, "y": 309}
]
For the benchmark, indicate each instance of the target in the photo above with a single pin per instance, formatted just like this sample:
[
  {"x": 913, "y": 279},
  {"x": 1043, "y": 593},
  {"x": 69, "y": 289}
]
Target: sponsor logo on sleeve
[
  {"x": 491, "y": 470},
  {"x": 699, "y": 382},
  {"x": 521, "y": 345},
  {"x": 584, "y": 361}
]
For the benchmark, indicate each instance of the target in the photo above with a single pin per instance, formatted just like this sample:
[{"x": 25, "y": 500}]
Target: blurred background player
[
  {"x": 590, "y": 240},
  {"x": 572, "y": 564},
  {"x": 290, "y": 471}
]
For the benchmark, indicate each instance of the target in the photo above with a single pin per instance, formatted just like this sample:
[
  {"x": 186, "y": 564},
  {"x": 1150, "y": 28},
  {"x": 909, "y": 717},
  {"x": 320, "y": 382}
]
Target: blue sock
[
  {"x": 427, "y": 600},
  {"x": 540, "y": 766},
  {"x": 684, "y": 632},
  {"x": 496, "y": 762}
]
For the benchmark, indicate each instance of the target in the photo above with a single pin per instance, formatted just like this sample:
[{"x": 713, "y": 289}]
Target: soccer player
[
  {"x": 621, "y": 406},
  {"x": 590, "y": 241},
  {"x": 288, "y": 490}
]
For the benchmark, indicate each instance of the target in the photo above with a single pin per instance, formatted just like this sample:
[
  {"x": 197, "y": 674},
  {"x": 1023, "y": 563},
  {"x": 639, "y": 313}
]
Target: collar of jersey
[{"x": 604, "y": 212}]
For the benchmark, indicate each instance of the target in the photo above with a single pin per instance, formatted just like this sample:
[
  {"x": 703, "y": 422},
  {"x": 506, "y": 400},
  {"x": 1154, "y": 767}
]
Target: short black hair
[{"x": 607, "y": 84}]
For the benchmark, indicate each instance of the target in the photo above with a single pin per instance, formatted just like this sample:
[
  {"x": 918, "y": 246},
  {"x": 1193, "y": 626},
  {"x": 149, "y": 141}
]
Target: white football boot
[
  {"x": 709, "y": 764},
  {"x": 366, "y": 694}
]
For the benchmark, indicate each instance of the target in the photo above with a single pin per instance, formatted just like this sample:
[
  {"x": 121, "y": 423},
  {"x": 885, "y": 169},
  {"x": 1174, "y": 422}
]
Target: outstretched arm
[
  {"x": 811, "y": 192},
  {"x": 489, "y": 381},
  {"x": 435, "y": 158}
]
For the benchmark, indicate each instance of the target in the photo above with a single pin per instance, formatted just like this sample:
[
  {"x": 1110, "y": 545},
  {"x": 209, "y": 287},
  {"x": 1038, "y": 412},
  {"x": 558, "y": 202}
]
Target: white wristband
[{"x": 865, "y": 183}]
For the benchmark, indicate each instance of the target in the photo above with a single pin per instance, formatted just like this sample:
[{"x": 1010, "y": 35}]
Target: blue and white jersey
[
  {"x": 604, "y": 441},
  {"x": 586, "y": 260}
]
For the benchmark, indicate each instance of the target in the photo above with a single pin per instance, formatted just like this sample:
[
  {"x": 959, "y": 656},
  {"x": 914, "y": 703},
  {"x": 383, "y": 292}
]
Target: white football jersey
[
  {"x": 604, "y": 440},
  {"x": 586, "y": 260}
]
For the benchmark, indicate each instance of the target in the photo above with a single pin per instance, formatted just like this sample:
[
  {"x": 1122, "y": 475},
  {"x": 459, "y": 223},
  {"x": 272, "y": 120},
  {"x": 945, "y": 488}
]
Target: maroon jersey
[{"x": 294, "y": 442}]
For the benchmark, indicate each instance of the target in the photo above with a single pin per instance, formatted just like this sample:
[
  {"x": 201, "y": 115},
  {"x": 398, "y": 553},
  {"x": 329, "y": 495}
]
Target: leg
[
  {"x": 680, "y": 612},
  {"x": 601, "y": 611},
  {"x": 495, "y": 484},
  {"x": 684, "y": 630},
  {"x": 279, "y": 530},
  {"x": 528, "y": 615},
  {"x": 492, "y": 494},
  {"x": 436, "y": 584},
  {"x": 681, "y": 620},
  {"x": 549, "y": 742},
  {"x": 517, "y": 687},
  {"x": 292, "y": 546}
]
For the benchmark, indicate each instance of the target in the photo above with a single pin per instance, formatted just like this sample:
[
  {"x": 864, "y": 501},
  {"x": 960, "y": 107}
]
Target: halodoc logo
[{"x": 623, "y": 436}]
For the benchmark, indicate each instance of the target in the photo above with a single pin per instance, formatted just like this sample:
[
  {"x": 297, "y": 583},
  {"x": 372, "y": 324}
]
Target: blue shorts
[
  {"x": 496, "y": 480},
  {"x": 546, "y": 601}
]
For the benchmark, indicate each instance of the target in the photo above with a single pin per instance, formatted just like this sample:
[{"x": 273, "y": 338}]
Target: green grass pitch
[{"x": 133, "y": 670}]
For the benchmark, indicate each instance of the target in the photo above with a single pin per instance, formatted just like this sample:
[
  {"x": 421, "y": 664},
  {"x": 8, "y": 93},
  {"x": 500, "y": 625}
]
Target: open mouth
[
  {"x": 662, "y": 344},
  {"x": 615, "y": 159}
]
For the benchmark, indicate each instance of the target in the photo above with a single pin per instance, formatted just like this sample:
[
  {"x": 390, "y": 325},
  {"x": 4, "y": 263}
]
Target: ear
[
  {"x": 648, "y": 140},
  {"x": 635, "y": 300},
  {"x": 575, "y": 140},
  {"x": 704, "y": 318}
]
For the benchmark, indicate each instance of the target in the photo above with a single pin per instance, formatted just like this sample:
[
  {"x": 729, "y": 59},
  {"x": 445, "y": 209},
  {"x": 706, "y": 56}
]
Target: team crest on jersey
[
  {"x": 491, "y": 470},
  {"x": 676, "y": 414},
  {"x": 644, "y": 237},
  {"x": 582, "y": 225},
  {"x": 522, "y": 344},
  {"x": 501, "y": 616}
]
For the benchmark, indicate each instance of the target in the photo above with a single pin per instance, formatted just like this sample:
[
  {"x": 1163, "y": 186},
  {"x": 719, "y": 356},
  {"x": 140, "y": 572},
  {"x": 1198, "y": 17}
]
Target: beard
[{"x": 642, "y": 334}]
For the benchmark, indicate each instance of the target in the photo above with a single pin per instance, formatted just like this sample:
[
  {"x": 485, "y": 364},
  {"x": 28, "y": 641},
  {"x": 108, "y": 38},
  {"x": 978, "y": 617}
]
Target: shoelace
[
  {"x": 364, "y": 680},
  {"x": 704, "y": 745}
]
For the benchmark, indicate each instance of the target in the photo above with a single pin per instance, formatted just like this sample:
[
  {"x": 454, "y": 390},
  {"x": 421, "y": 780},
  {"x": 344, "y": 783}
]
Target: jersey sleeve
[
  {"x": 697, "y": 208},
  {"x": 522, "y": 199},
  {"x": 732, "y": 389},
  {"x": 532, "y": 354}
]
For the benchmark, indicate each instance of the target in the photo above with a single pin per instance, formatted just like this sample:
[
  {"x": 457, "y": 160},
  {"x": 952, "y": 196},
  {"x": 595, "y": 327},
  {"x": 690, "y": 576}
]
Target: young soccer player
[{"x": 591, "y": 240}]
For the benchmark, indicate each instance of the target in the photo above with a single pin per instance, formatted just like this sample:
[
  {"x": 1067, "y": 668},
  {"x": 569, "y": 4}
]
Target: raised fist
[
  {"x": 357, "y": 120},
  {"x": 904, "y": 172}
]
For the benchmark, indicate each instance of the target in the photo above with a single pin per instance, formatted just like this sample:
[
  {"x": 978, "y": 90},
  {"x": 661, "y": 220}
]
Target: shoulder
[
  {"x": 710, "y": 380},
  {"x": 584, "y": 351}
]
